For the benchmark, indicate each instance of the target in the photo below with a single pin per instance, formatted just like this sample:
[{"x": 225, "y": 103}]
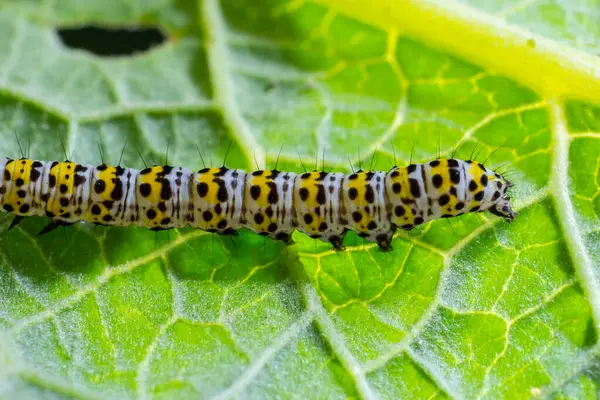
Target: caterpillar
[{"x": 323, "y": 205}]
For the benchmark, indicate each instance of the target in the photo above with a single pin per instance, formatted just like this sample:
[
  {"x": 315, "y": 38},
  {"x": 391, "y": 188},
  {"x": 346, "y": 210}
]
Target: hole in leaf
[{"x": 105, "y": 41}]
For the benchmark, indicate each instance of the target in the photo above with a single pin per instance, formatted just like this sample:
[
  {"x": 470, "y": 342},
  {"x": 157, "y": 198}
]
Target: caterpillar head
[{"x": 501, "y": 205}]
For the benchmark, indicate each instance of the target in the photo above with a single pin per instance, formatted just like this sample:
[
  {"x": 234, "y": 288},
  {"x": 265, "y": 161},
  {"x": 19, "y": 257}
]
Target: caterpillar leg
[
  {"x": 229, "y": 232},
  {"x": 384, "y": 240},
  {"x": 384, "y": 243},
  {"x": 16, "y": 221},
  {"x": 159, "y": 229},
  {"x": 285, "y": 238},
  {"x": 337, "y": 243},
  {"x": 52, "y": 226}
]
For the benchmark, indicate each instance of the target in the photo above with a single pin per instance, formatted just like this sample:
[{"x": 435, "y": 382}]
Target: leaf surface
[{"x": 469, "y": 307}]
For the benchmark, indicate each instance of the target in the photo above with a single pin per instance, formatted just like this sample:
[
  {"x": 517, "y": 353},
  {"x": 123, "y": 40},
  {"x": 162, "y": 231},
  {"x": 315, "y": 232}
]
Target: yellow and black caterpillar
[{"x": 269, "y": 202}]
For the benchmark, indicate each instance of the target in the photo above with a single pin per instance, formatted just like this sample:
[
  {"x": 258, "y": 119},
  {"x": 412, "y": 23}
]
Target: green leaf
[{"x": 471, "y": 307}]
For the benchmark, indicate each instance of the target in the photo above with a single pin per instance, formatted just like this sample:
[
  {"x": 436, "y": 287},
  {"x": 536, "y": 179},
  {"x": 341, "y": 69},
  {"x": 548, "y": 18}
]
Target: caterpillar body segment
[
  {"x": 318, "y": 209},
  {"x": 216, "y": 199},
  {"x": 268, "y": 203},
  {"x": 374, "y": 204},
  {"x": 365, "y": 207}
]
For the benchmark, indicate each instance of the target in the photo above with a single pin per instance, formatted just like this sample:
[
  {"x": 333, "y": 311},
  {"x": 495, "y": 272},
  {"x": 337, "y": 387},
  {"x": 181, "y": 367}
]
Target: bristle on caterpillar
[{"x": 269, "y": 202}]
